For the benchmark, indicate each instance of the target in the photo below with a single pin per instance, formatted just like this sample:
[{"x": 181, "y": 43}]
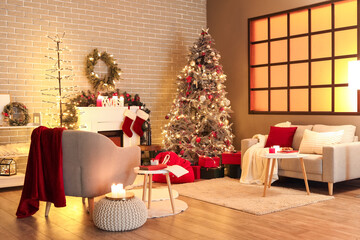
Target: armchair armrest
[
  {"x": 246, "y": 144},
  {"x": 341, "y": 162}
]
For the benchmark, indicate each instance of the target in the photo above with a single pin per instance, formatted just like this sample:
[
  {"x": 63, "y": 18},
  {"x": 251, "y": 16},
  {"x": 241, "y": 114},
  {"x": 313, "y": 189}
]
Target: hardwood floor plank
[{"x": 333, "y": 219}]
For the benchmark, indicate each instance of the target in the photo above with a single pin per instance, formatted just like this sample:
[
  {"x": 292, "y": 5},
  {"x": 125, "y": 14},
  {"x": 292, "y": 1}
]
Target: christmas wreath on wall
[
  {"x": 114, "y": 72},
  {"x": 18, "y": 108}
]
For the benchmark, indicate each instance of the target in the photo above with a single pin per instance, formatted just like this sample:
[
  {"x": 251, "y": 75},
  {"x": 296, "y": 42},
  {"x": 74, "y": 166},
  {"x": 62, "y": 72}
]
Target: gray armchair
[{"x": 92, "y": 163}]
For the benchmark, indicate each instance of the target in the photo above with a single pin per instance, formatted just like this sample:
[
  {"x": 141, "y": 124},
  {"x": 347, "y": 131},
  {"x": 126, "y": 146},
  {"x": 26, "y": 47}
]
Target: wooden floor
[{"x": 334, "y": 219}]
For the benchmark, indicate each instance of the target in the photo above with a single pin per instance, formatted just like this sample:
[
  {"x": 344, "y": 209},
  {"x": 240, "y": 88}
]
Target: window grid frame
[{"x": 309, "y": 60}]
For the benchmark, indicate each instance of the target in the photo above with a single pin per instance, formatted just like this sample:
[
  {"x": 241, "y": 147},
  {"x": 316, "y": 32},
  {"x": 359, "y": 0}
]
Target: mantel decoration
[
  {"x": 114, "y": 72},
  {"x": 22, "y": 114}
]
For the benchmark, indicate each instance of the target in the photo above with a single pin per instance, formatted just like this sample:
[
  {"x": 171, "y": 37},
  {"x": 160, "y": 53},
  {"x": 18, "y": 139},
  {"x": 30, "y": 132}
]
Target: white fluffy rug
[
  {"x": 157, "y": 194},
  {"x": 230, "y": 193}
]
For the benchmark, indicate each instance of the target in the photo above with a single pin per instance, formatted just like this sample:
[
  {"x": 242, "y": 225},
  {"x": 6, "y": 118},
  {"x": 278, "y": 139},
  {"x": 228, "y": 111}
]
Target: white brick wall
[{"x": 148, "y": 38}]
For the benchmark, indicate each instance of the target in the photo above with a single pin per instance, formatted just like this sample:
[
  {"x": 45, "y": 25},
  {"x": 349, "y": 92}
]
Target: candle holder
[{"x": 128, "y": 195}]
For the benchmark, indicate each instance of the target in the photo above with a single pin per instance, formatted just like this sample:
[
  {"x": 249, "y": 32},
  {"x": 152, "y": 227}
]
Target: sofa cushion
[
  {"x": 313, "y": 164},
  {"x": 349, "y": 131},
  {"x": 282, "y": 136},
  {"x": 313, "y": 142},
  {"x": 299, "y": 134}
]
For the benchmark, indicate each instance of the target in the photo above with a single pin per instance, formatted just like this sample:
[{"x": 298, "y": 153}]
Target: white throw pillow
[
  {"x": 283, "y": 124},
  {"x": 313, "y": 142}
]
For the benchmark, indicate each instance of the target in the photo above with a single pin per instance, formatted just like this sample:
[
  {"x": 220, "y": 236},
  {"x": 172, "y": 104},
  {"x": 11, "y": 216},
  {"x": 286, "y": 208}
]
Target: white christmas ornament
[{"x": 202, "y": 98}]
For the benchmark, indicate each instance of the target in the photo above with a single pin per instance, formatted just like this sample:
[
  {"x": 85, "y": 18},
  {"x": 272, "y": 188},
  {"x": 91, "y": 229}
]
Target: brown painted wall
[{"x": 227, "y": 20}]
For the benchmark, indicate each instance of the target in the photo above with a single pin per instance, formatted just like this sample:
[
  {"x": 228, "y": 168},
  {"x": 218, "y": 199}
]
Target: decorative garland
[
  {"x": 114, "y": 72},
  {"x": 88, "y": 99},
  {"x": 9, "y": 111}
]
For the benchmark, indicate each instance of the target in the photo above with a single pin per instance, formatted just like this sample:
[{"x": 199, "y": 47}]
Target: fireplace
[
  {"x": 116, "y": 136},
  {"x": 107, "y": 121}
]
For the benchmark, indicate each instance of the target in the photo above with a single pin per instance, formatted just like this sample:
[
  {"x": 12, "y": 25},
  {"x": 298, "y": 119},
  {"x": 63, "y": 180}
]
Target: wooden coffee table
[
  {"x": 149, "y": 173},
  {"x": 272, "y": 157}
]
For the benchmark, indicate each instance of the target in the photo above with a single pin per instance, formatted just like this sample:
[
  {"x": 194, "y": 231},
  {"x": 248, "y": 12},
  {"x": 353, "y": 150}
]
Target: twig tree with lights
[
  {"x": 58, "y": 94},
  {"x": 198, "y": 119}
]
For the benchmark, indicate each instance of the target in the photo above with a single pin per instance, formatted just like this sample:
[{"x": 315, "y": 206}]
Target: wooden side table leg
[
  {"x": 150, "y": 187},
  {"x": 47, "y": 209},
  {"x": 144, "y": 188},
  {"x": 266, "y": 176},
  {"x": 272, "y": 170},
  {"x": 305, "y": 177},
  {"x": 170, "y": 192}
]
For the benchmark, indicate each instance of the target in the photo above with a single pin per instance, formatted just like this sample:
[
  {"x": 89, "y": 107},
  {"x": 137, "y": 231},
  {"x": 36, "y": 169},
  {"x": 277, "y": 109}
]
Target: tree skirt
[{"x": 231, "y": 193}]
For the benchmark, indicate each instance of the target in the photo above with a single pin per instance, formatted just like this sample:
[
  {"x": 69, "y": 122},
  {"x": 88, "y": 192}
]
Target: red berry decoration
[
  {"x": 177, "y": 117},
  {"x": 214, "y": 134},
  {"x": 182, "y": 152},
  {"x": 210, "y": 96},
  {"x": 188, "y": 79},
  {"x": 221, "y": 109},
  {"x": 198, "y": 139},
  {"x": 166, "y": 117}
]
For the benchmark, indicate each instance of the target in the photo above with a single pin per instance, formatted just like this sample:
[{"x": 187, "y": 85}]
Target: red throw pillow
[{"x": 282, "y": 136}]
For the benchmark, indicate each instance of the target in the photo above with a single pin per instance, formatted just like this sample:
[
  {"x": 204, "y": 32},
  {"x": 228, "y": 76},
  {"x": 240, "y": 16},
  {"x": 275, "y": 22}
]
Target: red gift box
[
  {"x": 231, "y": 158},
  {"x": 196, "y": 170},
  {"x": 209, "y": 162}
]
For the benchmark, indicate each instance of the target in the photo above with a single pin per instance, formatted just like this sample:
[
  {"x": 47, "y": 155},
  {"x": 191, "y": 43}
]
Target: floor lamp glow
[{"x": 354, "y": 79}]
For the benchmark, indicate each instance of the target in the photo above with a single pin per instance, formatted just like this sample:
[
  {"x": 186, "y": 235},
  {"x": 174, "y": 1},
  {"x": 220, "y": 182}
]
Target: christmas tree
[{"x": 198, "y": 119}]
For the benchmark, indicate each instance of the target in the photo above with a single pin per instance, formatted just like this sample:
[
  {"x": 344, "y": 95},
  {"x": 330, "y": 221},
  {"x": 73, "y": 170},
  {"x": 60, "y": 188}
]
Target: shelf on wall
[
  {"x": 12, "y": 127},
  {"x": 12, "y": 181}
]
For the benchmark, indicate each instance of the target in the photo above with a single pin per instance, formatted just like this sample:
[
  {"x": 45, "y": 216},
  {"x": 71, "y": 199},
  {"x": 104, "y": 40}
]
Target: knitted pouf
[{"x": 119, "y": 215}]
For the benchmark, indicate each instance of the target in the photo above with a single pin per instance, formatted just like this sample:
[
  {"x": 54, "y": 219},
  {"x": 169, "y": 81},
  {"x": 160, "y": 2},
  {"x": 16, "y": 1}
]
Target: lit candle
[
  {"x": 99, "y": 101},
  {"x": 117, "y": 191},
  {"x": 121, "y": 101}
]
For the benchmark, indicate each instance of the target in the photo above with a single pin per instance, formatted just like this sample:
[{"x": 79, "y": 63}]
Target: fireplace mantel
[{"x": 97, "y": 119}]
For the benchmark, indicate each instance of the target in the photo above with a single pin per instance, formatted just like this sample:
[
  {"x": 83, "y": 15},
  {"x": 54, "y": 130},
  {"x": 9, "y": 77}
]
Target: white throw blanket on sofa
[{"x": 254, "y": 166}]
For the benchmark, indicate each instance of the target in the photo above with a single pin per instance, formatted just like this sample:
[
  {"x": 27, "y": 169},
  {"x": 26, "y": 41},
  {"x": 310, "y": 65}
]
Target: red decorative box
[
  {"x": 231, "y": 158},
  {"x": 196, "y": 170},
  {"x": 209, "y": 162}
]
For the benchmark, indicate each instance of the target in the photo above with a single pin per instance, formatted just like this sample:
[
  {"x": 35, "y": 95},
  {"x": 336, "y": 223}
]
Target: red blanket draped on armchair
[{"x": 44, "y": 172}]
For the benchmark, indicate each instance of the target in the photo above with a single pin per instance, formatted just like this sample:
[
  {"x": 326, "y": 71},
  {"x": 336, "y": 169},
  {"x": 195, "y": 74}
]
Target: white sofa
[{"x": 339, "y": 162}]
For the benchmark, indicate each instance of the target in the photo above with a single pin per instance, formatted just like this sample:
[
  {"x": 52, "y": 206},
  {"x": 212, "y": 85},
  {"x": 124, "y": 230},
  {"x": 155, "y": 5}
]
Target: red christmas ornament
[
  {"x": 127, "y": 95},
  {"x": 115, "y": 94},
  {"x": 198, "y": 139},
  {"x": 177, "y": 117},
  {"x": 221, "y": 109},
  {"x": 199, "y": 65},
  {"x": 203, "y": 53},
  {"x": 188, "y": 79},
  {"x": 166, "y": 117},
  {"x": 182, "y": 152},
  {"x": 179, "y": 142},
  {"x": 209, "y": 41},
  {"x": 210, "y": 96},
  {"x": 214, "y": 134}
]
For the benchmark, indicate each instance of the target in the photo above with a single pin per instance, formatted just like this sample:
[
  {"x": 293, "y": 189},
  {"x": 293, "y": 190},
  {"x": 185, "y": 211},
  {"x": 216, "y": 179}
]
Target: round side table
[{"x": 120, "y": 214}]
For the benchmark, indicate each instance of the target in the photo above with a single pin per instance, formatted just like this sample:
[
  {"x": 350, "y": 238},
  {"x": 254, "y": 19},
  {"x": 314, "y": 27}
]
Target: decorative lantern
[{"x": 7, "y": 167}]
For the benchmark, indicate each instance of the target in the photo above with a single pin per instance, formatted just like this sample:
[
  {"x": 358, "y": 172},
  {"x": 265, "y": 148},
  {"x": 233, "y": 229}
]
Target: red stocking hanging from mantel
[
  {"x": 129, "y": 118},
  {"x": 141, "y": 117}
]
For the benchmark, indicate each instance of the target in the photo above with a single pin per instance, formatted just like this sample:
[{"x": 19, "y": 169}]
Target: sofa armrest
[
  {"x": 247, "y": 143},
  {"x": 341, "y": 162}
]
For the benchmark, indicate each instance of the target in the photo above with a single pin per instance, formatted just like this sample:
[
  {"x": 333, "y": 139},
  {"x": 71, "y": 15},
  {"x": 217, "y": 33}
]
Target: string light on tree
[
  {"x": 198, "y": 122},
  {"x": 58, "y": 96}
]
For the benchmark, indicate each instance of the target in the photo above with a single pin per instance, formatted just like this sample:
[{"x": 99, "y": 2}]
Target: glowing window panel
[
  {"x": 259, "y": 100},
  {"x": 299, "y": 74},
  {"x": 278, "y": 26},
  {"x": 345, "y": 13},
  {"x": 321, "y": 73},
  {"x": 259, "y": 30},
  {"x": 341, "y": 70},
  {"x": 299, "y": 100},
  {"x": 259, "y": 53},
  {"x": 321, "y": 99},
  {"x": 321, "y": 45},
  {"x": 321, "y": 18},
  {"x": 278, "y": 51},
  {"x": 277, "y": 98},
  {"x": 299, "y": 22},
  {"x": 299, "y": 48},
  {"x": 278, "y": 76},
  {"x": 259, "y": 77},
  {"x": 345, "y": 99},
  {"x": 345, "y": 42}
]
